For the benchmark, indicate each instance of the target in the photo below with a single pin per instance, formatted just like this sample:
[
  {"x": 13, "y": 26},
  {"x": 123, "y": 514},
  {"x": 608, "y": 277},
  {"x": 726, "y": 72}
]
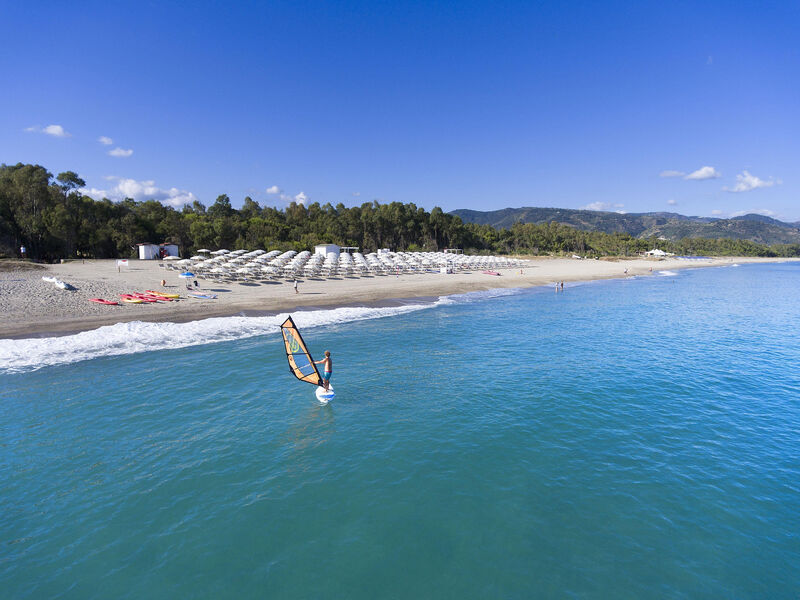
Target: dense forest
[{"x": 53, "y": 219}]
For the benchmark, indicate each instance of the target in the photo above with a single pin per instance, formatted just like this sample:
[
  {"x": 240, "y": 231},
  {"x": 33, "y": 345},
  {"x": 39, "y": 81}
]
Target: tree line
[{"x": 53, "y": 219}]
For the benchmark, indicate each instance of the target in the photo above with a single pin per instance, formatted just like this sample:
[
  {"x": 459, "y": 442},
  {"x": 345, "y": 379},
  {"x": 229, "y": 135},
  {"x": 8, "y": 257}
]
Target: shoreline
[{"x": 33, "y": 308}]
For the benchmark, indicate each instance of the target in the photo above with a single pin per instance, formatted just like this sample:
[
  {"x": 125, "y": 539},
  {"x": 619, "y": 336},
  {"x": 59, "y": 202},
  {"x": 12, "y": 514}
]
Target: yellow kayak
[
  {"x": 131, "y": 300},
  {"x": 163, "y": 294}
]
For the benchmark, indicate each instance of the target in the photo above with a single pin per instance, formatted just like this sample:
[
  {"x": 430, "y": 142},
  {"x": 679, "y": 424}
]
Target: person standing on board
[{"x": 327, "y": 369}]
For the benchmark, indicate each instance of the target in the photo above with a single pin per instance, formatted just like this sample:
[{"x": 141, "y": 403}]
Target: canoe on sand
[{"x": 103, "y": 301}]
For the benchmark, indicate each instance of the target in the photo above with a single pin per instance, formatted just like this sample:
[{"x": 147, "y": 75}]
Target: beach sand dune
[{"x": 31, "y": 307}]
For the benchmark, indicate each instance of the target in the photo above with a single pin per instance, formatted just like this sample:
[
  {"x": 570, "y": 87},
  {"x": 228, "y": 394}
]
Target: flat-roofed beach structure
[{"x": 325, "y": 249}]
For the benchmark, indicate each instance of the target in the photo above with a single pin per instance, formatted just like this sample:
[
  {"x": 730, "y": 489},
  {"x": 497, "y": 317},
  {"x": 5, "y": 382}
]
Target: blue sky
[{"x": 687, "y": 107}]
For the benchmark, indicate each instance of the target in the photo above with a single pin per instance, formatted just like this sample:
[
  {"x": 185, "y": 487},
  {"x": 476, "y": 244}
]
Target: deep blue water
[{"x": 625, "y": 439}]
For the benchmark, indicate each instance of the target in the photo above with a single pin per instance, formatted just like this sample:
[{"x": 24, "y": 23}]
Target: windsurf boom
[{"x": 300, "y": 362}]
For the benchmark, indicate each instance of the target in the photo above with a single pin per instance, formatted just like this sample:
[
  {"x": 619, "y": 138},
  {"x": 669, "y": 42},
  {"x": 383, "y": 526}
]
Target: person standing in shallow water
[{"x": 327, "y": 369}]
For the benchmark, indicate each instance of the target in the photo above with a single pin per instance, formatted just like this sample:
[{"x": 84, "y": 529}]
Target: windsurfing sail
[{"x": 300, "y": 362}]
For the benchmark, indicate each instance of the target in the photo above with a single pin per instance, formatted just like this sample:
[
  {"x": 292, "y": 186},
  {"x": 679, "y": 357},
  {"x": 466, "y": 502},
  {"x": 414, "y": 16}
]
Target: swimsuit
[{"x": 326, "y": 376}]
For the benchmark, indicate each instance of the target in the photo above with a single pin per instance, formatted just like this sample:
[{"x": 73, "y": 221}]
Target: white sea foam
[
  {"x": 17, "y": 355},
  {"x": 667, "y": 273},
  {"x": 30, "y": 354}
]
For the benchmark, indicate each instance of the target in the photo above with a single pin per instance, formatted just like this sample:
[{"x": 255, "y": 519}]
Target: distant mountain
[
  {"x": 756, "y": 228},
  {"x": 765, "y": 219}
]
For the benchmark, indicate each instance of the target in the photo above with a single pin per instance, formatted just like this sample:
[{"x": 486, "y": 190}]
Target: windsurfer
[{"x": 327, "y": 369}]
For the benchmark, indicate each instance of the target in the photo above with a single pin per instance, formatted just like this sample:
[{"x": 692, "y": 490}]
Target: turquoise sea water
[{"x": 625, "y": 439}]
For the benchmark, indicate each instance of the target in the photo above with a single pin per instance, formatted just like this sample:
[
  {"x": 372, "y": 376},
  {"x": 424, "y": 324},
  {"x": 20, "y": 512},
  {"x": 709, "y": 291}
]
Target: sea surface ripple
[{"x": 623, "y": 439}]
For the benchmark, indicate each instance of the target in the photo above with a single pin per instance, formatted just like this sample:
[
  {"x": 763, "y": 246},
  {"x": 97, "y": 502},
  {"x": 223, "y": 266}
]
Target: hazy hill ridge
[{"x": 673, "y": 226}]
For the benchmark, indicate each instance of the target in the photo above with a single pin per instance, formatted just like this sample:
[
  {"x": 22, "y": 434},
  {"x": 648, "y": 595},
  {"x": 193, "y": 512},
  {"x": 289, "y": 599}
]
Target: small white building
[
  {"x": 148, "y": 251},
  {"x": 656, "y": 252},
  {"x": 325, "y": 249}
]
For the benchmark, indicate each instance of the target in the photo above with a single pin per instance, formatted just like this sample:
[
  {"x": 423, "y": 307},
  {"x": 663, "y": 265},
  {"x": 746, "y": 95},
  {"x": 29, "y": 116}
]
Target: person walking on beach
[
  {"x": 295, "y": 287},
  {"x": 327, "y": 369}
]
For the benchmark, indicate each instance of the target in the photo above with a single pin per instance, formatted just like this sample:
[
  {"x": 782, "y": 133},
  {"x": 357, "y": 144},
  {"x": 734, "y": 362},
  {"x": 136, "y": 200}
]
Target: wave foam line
[{"x": 30, "y": 354}]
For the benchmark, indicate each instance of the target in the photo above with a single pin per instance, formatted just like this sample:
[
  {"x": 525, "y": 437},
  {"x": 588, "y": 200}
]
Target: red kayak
[
  {"x": 137, "y": 297},
  {"x": 147, "y": 297},
  {"x": 102, "y": 301}
]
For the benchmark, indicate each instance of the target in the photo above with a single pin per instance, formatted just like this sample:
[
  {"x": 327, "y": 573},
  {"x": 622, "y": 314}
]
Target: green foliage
[{"x": 54, "y": 220}]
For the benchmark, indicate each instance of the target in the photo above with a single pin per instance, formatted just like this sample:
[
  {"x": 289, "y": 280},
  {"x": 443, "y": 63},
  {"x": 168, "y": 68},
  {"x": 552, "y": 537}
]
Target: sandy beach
[{"x": 31, "y": 307}]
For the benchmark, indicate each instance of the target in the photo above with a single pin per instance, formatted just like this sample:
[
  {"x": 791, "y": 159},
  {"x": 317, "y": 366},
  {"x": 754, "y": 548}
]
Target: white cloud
[
  {"x": 704, "y": 173},
  {"x": 745, "y": 182},
  {"x": 120, "y": 152},
  {"x": 716, "y": 212},
  {"x": 106, "y": 141},
  {"x": 672, "y": 202},
  {"x": 356, "y": 194},
  {"x": 301, "y": 198},
  {"x": 54, "y": 130},
  {"x": 604, "y": 206},
  {"x": 710, "y": 60},
  {"x": 94, "y": 193},
  {"x": 274, "y": 190},
  {"x": 141, "y": 190},
  {"x": 671, "y": 174}
]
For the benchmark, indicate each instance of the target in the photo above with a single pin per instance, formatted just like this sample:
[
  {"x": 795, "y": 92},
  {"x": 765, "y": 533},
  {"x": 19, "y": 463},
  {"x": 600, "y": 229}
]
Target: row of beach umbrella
[{"x": 260, "y": 264}]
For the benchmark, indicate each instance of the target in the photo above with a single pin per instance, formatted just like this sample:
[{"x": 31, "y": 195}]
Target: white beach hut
[
  {"x": 325, "y": 249},
  {"x": 148, "y": 251}
]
